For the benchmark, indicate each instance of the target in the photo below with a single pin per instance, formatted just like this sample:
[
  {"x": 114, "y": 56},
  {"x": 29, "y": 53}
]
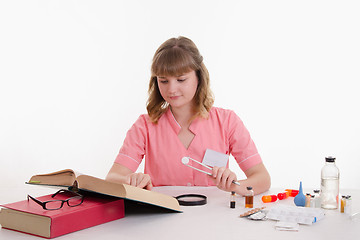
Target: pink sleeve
[
  {"x": 241, "y": 145},
  {"x": 133, "y": 148}
]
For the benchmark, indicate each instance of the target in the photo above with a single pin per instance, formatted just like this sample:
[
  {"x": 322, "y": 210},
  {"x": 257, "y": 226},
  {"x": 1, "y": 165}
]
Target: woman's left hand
[{"x": 223, "y": 178}]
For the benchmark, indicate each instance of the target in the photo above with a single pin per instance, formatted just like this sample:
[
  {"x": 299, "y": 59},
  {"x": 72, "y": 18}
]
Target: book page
[
  {"x": 26, "y": 222},
  {"x": 77, "y": 173},
  {"x": 155, "y": 198},
  {"x": 60, "y": 178},
  {"x": 128, "y": 192}
]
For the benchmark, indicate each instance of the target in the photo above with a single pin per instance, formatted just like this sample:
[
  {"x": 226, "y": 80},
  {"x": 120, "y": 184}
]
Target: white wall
[{"x": 74, "y": 78}]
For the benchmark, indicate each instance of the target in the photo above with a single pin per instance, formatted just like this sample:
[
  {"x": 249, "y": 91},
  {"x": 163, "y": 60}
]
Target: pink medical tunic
[{"x": 223, "y": 132}]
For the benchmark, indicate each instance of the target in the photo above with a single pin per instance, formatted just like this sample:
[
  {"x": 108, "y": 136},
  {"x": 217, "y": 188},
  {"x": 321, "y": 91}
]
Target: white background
[{"x": 74, "y": 77}]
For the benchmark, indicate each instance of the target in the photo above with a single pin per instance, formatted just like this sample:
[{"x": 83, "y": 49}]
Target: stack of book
[{"x": 103, "y": 202}]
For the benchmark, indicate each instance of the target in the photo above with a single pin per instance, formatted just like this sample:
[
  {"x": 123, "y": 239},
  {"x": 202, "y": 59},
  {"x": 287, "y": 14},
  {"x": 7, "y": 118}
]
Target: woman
[{"x": 182, "y": 121}]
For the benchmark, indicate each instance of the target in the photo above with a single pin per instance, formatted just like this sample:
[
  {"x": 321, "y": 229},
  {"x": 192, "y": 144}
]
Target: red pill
[
  {"x": 292, "y": 192},
  {"x": 269, "y": 198},
  {"x": 282, "y": 196}
]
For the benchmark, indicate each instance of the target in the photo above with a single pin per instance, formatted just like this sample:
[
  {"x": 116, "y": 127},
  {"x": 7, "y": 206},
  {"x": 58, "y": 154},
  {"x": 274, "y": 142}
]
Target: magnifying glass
[{"x": 191, "y": 199}]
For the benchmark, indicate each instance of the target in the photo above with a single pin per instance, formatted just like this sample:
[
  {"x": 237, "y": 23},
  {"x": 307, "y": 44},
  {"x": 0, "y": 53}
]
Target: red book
[{"x": 29, "y": 217}]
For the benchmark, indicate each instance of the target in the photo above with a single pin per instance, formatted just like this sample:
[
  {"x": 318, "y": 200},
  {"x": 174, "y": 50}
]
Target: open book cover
[{"x": 69, "y": 178}]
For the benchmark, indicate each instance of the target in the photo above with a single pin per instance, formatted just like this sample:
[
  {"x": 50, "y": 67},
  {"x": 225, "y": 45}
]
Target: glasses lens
[
  {"x": 52, "y": 205},
  {"x": 75, "y": 201}
]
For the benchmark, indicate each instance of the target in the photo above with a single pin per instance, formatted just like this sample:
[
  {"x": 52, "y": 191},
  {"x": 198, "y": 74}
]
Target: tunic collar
[
  {"x": 173, "y": 123},
  {"x": 176, "y": 126}
]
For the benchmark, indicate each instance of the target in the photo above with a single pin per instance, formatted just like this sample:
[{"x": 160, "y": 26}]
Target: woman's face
[{"x": 178, "y": 91}]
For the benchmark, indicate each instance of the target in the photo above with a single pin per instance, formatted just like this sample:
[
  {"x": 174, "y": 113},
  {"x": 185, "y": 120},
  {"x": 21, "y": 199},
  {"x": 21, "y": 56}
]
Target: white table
[{"x": 215, "y": 220}]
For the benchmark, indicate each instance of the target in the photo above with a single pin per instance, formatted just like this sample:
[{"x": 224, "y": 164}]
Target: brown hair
[{"x": 175, "y": 57}]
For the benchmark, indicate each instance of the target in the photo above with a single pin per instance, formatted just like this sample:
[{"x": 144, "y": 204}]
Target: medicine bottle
[
  {"x": 342, "y": 204},
  {"x": 329, "y": 184},
  {"x": 249, "y": 198},
  {"x": 232, "y": 200},
  {"x": 348, "y": 206},
  {"x": 317, "y": 198},
  {"x": 312, "y": 201},
  {"x": 307, "y": 200}
]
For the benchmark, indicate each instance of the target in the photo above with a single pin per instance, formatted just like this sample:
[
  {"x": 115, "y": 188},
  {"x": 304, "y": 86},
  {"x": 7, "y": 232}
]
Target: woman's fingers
[
  {"x": 140, "y": 180},
  {"x": 223, "y": 178}
]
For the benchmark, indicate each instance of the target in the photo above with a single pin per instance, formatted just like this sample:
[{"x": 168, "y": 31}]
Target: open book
[{"x": 68, "y": 178}]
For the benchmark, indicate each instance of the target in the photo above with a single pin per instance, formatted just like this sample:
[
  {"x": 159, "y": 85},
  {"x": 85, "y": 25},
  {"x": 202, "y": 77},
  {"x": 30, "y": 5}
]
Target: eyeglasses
[{"x": 57, "y": 204}]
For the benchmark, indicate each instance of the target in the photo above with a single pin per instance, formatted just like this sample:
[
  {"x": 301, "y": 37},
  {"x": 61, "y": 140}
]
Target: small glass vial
[
  {"x": 330, "y": 184},
  {"x": 232, "y": 200},
  {"x": 347, "y": 208},
  {"x": 249, "y": 198},
  {"x": 307, "y": 200},
  {"x": 342, "y": 204},
  {"x": 312, "y": 201},
  {"x": 317, "y": 198}
]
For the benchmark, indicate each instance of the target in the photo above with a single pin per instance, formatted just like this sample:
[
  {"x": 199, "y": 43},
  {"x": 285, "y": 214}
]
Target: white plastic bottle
[{"x": 330, "y": 184}]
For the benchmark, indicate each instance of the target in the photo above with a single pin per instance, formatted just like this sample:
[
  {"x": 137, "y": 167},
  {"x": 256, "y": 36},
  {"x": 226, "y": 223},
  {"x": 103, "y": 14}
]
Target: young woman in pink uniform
[{"x": 182, "y": 121}]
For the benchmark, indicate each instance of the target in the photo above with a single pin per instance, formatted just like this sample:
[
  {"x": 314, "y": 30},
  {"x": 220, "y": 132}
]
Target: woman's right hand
[
  {"x": 121, "y": 174},
  {"x": 140, "y": 180}
]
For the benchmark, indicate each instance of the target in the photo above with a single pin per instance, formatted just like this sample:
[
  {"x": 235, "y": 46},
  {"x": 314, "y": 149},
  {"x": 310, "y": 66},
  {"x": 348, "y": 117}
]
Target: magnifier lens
[{"x": 191, "y": 199}]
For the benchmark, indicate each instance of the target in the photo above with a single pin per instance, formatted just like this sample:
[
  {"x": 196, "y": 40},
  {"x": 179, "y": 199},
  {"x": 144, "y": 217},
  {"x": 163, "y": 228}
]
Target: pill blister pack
[{"x": 295, "y": 214}]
